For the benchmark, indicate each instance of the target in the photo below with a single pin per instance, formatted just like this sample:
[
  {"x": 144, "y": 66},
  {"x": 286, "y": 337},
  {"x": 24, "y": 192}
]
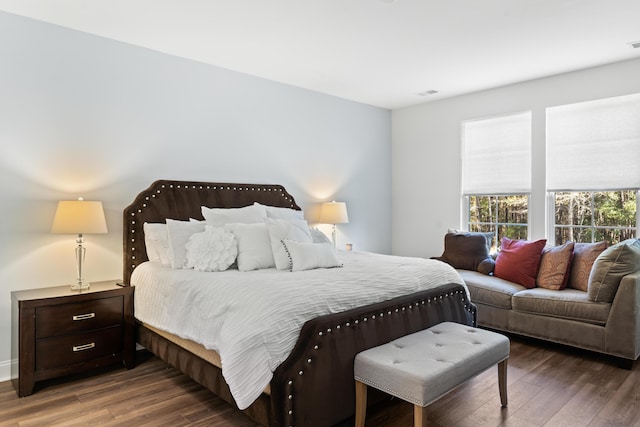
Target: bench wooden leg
[
  {"x": 419, "y": 416},
  {"x": 361, "y": 403},
  {"x": 502, "y": 382}
]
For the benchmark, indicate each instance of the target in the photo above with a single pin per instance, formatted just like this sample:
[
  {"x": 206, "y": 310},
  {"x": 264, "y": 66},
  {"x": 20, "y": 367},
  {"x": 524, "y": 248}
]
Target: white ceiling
[{"x": 379, "y": 52}]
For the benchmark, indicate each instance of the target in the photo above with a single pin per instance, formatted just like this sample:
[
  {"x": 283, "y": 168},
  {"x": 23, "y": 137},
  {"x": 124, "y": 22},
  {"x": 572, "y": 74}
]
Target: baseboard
[{"x": 5, "y": 369}]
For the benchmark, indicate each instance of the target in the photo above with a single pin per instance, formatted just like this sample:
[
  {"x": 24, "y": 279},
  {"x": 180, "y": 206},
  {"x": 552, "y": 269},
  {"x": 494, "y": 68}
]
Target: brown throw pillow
[
  {"x": 465, "y": 250},
  {"x": 610, "y": 267},
  {"x": 554, "y": 267},
  {"x": 584, "y": 255}
]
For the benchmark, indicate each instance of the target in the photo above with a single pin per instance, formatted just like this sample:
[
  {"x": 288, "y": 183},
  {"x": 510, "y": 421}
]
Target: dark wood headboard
[{"x": 182, "y": 200}]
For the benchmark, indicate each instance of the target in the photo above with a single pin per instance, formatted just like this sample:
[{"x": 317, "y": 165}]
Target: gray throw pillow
[{"x": 610, "y": 267}]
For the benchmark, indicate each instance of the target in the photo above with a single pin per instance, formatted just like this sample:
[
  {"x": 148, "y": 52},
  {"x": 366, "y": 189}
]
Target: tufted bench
[{"x": 424, "y": 366}]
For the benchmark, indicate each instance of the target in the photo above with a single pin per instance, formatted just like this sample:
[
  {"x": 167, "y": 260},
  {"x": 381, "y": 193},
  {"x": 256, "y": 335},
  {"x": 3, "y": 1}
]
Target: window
[
  {"x": 505, "y": 216},
  {"x": 593, "y": 216},
  {"x": 593, "y": 159},
  {"x": 496, "y": 177}
]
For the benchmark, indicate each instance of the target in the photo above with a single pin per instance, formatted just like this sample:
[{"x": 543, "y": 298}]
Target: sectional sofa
[{"x": 595, "y": 309}]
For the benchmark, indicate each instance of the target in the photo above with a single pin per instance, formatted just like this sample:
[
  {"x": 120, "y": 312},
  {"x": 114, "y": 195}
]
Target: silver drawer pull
[
  {"x": 84, "y": 346},
  {"x": 84, "y": 316}
]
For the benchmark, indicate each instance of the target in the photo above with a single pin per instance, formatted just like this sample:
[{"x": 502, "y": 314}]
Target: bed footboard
[{"x": 315, "y": 386}]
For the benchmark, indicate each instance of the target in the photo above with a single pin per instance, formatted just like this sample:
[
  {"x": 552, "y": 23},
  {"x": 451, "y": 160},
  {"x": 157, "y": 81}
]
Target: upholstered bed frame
[{"x": 314, "y": 386}]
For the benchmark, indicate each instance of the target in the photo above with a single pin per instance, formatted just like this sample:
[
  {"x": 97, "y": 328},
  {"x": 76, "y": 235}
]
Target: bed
[{"x": 313, "y": 385}]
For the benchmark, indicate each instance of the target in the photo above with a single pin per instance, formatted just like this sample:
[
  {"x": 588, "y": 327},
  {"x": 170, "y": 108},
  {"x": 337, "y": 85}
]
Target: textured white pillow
[
  {"x": 307, "y": 256},
  {"x": 221, "y": 216},
  {"x": 156, "y": 241},
  {"x": 286, "y": 214},
  {"x": 179, "y": 234},
  {"x": 318, "y": 236},
  {"x": 296, "y": 230},
  {"x": 254, "y": 246},
  {"x": 212, "y": 250}
]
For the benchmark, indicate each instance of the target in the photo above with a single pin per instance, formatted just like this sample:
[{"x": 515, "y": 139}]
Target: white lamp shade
[
  {"x": 334, "y": 213},
  {"x": 79, "y": 217}
]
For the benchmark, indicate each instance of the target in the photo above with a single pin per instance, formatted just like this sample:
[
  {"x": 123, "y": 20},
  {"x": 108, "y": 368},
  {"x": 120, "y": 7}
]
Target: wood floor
[{"x": 548, "y": 386}]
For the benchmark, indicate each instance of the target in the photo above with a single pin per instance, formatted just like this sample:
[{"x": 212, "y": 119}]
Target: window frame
[
  {"x": 551, "y": 214},
  {"x": 496, "y": 224}
]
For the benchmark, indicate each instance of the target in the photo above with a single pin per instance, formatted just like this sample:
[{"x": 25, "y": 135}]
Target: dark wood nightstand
[{"x": 56, "y": 331}]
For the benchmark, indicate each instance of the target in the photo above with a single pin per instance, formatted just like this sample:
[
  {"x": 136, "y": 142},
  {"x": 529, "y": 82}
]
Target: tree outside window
[
  {"x": 593, "y": 216},
  {"x": 504, "y": 215}
]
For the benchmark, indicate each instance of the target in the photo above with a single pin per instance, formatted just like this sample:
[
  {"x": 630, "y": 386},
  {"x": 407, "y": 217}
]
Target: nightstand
[{"x": 56, "y": 331}]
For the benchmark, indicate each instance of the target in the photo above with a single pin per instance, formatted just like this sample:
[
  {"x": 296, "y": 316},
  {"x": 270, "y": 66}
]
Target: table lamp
[
  {"x": 79, "y": 217},
  {"x": 334, "y": 213}
]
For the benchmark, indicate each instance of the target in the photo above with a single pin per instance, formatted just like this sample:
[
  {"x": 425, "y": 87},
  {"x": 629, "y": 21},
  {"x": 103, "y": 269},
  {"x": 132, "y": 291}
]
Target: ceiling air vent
[
  {"x": 428, "y": 92},
  {"x": 635, "y": 45}
]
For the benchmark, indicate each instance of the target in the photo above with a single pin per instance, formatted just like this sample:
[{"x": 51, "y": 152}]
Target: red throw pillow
[{"x": 519, "y": 261}]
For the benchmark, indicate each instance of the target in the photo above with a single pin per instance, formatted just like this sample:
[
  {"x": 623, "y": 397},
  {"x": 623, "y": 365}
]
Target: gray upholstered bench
[{"x": 424, "y": 366}]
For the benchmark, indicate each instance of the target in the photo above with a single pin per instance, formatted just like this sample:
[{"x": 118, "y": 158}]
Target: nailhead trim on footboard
[{"x": 356, "y": 327}]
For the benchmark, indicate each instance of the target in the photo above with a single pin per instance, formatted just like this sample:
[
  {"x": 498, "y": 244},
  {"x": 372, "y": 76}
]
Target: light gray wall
[
  {"x": 426, "y": 166},
  {"x": 86, "y": 116}
]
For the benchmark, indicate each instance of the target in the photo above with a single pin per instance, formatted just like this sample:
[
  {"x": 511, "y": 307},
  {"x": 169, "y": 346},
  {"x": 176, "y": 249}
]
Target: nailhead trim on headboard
[{"x": 183, "y": 200}]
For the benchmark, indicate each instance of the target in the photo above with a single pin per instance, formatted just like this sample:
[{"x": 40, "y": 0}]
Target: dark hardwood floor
[{"x": 549, "y": 385}]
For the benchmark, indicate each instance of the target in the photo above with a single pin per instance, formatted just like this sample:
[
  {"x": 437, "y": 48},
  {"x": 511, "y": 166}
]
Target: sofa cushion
[
  {"x": 465, "y": 250},
  {"x": 490, "y": 290},
  {"x": 611, "y": 265},
  {"x": 554, "y": 267},
  {"x": 519, "y": 260},
  {"x": 584, "y": 255},
  {"x": 569, "y": 304}
]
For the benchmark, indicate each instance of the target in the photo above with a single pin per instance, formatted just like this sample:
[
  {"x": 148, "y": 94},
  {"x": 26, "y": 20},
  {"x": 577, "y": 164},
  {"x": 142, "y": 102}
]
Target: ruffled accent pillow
[
  {"x": 295, "y": 230},
  {"x": 308, "y": 256},
  {"x": 554, "y": 267},
  {"x": 519, "y": 261},
  {"x": 212, "y": 250}
]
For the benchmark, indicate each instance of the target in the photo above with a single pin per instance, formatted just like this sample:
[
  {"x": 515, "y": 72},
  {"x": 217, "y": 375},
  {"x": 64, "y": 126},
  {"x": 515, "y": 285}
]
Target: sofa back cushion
[
  {"x": 610, "y": 267},
  {"x": 519, "y": 261},
  {"x": 584, "y": 255},
  {"x": 555, "y": 266}
]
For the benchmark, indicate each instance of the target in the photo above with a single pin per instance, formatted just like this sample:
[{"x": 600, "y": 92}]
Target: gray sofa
[{"x": 567, "y": 316}]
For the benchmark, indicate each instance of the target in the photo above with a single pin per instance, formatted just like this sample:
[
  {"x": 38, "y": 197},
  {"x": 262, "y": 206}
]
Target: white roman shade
[
  {"x": 594, "y": 145},
  {"x": 496, "y": 155}
]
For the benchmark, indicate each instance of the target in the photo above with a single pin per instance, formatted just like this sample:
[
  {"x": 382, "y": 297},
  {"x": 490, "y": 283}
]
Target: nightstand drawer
[
  {"x": 66, "y": 350},
  {"x": 56, "y": 320}
]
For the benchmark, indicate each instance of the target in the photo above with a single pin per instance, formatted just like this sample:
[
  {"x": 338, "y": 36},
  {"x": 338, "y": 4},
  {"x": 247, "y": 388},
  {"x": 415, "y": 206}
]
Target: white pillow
[
  {"x": 221, "y": 216},
  {"x": 307, "y": 256},
  {"x": 156, "y": 241},
  {"x": 296, "y": 230},
  {"x": 254, "y": 246},
  {"x": 318, "y": 236},
  {"x": 179, "y": 234},
  {"x": 286, "y": 214},
  {"x": 212, "y": 250}
]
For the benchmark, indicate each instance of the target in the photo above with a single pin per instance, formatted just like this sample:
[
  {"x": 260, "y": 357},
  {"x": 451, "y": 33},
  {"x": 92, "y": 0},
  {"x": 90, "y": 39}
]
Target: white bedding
[{"x": 253, "y": 319}]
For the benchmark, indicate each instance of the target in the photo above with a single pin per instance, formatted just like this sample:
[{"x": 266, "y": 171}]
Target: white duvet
[{"x": 253, "y": 319}]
